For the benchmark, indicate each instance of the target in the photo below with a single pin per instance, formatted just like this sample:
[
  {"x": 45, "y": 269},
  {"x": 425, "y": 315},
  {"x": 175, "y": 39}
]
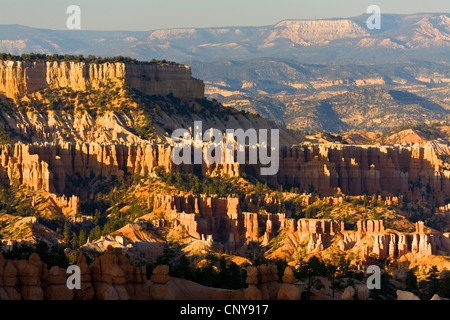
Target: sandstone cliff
[
  {"x": 18, "y": 78},
  {"x": 412, "y": 172},
  {"x": 359, "y": 170}
]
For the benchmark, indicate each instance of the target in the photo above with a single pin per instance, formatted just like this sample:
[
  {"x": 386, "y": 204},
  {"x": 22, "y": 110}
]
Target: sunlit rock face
[{"x": 18, "y": 78}]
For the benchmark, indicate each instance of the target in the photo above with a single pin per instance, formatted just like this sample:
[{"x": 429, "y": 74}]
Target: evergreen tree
[
  {"x": 82, "y": 238},
  {"x": 411, "y": 280},
  {"x": 74, "y": 240},
  {"x": 66, "y": 234},
  {"x": 433, "y": 284},
  {"x": 235, "y": 276}
]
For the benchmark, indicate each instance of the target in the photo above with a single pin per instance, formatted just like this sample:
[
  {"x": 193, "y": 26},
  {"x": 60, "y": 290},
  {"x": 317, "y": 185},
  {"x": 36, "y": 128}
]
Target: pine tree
[
  {"x": 66, "y": 234},
  {"x": 95, "y": 233},
  {"x": 82, "y": 238},
  {"x": 74, "y": 240},
  {"x": 96, "y": 218}
]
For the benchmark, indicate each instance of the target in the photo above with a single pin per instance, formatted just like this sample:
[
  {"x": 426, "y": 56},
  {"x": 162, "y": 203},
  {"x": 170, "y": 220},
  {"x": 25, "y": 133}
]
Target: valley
[{"x": 88, "y": 179}]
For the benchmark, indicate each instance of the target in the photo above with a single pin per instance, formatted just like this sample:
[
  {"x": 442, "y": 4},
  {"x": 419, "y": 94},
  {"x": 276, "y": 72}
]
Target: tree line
[{"x": 78, "y": 58}]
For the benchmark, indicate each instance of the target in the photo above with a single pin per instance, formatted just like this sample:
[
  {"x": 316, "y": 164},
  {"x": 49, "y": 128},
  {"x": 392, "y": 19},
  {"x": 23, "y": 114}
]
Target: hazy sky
[{"x": 159, "y": 14}]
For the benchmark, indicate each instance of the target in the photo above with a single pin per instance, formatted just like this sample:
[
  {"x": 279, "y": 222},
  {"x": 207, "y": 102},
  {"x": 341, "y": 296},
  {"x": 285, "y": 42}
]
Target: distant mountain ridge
[
  {"x": 368, "y": 109},
  {"x": 273, "y": 76},
  {"x": 318, "y": 96},
  {"x": 364, "y": 109},
  {"x": 348, "y": 40}
]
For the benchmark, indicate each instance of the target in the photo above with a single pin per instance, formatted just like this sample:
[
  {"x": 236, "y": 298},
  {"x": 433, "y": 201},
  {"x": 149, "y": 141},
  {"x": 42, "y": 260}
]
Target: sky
[{"x": 144, "y": 15}]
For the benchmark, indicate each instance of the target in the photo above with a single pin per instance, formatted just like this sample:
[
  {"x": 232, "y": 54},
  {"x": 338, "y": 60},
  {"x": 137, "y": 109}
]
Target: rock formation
[
  {"x": 87, "y": 291},
  {"x": 56, "y": 288},
  {"x": 357, "y": 170},
  {"x": 362, "y": 292},
  {"x": 348, "y": 293},
  {"x": 109, "y": 277},
  {"x": 288, "y": 290},
  {"x": 160, "y": 290},
  {"x": 328, "y": 169},
  {"x": 19, "y": 78},
  {"x": 115, "y": 279},
  {"x": 252, "y": 292},
  {"x": 205, "y": 216},
  {"x": 406, "y": 295}
]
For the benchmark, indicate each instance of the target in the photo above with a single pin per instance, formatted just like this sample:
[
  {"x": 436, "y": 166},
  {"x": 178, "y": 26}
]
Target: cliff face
[
  {"x": 359, "y": 170},
  {"x": 18, "y": 78},
  {"x": 308, "y": 33},
  {"x": 414, "y": 173}
]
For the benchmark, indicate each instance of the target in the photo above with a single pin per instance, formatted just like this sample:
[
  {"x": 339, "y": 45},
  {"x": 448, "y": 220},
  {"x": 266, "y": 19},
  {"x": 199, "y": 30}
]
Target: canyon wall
[
  {"x": 414, "y": 173},
  {"x": 18, "y": 78}
]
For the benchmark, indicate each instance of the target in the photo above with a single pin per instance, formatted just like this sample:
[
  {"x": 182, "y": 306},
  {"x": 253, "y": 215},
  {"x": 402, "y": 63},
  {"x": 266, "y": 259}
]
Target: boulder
[
  {"x": 406, "y": 295},
  {"x": 56, "y": 288},
  {"x": 253, "y": 293},
  {"x": 288, "y": 276},
  {"x": 348, "y": 293},
  {"x": 288, "y": 291},
  {"x": 437, "y": 297},
  {"x": 362, "y": 292}
]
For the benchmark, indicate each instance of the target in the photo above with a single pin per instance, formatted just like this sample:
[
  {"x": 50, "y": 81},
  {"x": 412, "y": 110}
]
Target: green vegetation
[
  {"x": 12, "y": 201},
  {"x": 444, "y": 157},
  {"x": 190, "y": 182},
  {"x": 214, "y": 272},
  {"x": 124, "y": 102},
  {"x": 432, "y": 284},
  {"x": 4, "y": 137},
  {"x": 336, "y": 138},
  {"x": 145, "y": 128},
  {"x": 78, "y": 58},
  {"x": 53, "y": 256},
  {"x": 429, "y": 129},
  {"x": 103, "y": 204}
]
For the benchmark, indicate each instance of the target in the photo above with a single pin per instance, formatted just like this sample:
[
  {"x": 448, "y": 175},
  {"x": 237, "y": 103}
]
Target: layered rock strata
[
  {"x": 412, "y": 173},
  {"x": 109, "y": 277},
  {"x": 18, "y": 78}
]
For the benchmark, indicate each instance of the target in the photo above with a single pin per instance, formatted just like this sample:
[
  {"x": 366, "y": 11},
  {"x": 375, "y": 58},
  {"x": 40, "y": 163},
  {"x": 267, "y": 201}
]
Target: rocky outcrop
[
  {"x": 23, "y": 279},
  {"x": 220, "y": 219},
  {"x": 391, "y": 172},
  {"x": 18, "y": 78},
  {"x": 288, "y": 290},
  {"x": 383, "y": 243},
  {"x": 262, "y": 282},
  {"x": 356, "y": 170},
  {"x": 115, "y": 279},
  {"x": 406, "y": 295},
  {"x": 305, "y": 33},
  {"x": 56, "y": 287},
  {"x": 109, "y": 277},
  {"x": 395, "y": 173},
  {"x": 348, "y": 293}
]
